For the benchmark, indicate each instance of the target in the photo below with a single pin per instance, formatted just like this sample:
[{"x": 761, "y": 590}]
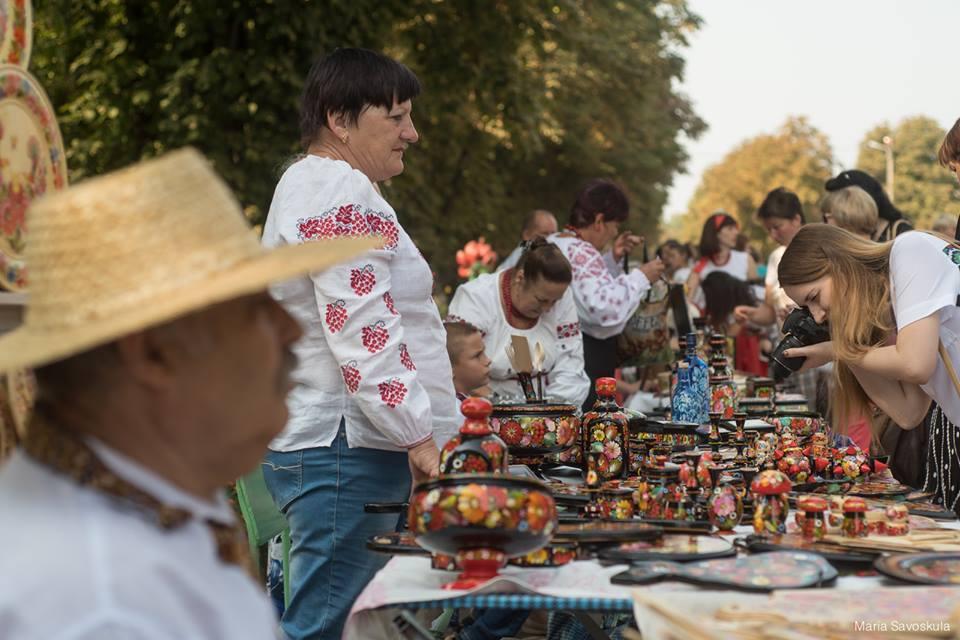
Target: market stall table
[{"x": 408, "y": 583}]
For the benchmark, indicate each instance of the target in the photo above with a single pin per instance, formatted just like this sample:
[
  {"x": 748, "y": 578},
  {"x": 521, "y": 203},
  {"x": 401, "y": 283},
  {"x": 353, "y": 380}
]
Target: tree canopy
[
  {"x": 923, "y": 189},
  {"x": 523, "y": 100},
  {"x": 797, "y": 156}
]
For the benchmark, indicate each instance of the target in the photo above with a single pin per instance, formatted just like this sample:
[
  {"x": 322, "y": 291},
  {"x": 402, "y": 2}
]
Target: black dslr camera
[{"x": 800, "y": 330}]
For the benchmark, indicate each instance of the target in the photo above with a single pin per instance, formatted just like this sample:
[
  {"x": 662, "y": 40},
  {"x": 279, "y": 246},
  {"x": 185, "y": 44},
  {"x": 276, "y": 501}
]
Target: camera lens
[{"x": 781, "y": 366}]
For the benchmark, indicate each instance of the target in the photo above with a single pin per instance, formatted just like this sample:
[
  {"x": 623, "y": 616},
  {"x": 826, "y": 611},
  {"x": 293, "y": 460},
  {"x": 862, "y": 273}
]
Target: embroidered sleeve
[
  {"x": 361, "y": 323},
  {"x": 608, "y": 301},
  {"x": 568, "y": 381}
]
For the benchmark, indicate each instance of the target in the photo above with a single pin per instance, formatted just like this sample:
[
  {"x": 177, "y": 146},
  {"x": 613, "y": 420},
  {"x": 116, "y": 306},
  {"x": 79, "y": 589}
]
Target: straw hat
[{"x": 141, "y": 246}]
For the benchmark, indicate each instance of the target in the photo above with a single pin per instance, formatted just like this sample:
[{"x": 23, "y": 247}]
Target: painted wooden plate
[
  {"x": 16, "y": 32},
  {"x": 33, "y": 163},
  {"x": 922, "y": 568}
]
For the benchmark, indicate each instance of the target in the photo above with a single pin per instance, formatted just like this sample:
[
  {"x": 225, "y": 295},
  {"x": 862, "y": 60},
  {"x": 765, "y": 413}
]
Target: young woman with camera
[{"x": 871, "y": 295}]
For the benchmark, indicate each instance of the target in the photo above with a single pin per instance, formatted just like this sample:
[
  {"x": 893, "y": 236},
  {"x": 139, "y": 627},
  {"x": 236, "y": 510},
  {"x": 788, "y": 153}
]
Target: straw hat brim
[{"x": 26, "y": 347}]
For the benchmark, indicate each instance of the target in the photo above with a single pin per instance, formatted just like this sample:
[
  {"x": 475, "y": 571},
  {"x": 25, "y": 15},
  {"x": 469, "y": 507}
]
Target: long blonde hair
[{"x": 861, "y": 316}]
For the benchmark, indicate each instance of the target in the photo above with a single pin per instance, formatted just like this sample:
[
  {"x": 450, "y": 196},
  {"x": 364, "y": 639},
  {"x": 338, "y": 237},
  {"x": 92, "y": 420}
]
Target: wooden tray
[
  {"x": 879, "y": 489},
  {"x": 672, "y": 546},
  {"x": 926, "y": 540},
  {"x": 601, "y": 531},
  {"x": 764, "y": 572},
  {"x": 835, "y": 554},
  {"x": 922, "y": 568}
]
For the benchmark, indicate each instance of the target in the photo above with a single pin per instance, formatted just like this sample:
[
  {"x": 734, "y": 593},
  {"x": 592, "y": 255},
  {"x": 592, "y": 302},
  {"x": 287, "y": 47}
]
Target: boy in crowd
[{"x": 471, "y": 366}]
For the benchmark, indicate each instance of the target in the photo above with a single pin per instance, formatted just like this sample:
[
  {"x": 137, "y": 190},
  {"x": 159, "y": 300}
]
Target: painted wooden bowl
[{"x": 481, "y": 519}]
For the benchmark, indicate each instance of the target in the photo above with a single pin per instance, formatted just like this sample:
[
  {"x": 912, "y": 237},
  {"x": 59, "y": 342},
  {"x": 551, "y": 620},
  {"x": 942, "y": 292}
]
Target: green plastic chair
[{"x": 264, "y": 521}]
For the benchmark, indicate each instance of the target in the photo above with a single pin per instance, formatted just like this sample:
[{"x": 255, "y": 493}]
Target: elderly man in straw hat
[{"x": 162, "y": 366}]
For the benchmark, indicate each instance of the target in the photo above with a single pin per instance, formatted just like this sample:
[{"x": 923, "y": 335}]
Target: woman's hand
[
  {"x": 625, "y": 243},
  {"x": 816, "y": 355},
  {"x": 424, "y": 460},
  {"x": 744, "y": 313},
  {"x": 653, "y": 269}
]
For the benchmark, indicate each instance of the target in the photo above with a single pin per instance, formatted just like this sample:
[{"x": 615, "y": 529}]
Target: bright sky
[{"x": 847, "y": 65}]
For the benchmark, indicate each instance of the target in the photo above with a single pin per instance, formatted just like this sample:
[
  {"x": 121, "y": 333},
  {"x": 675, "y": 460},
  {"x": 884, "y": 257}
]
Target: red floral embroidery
[
  {"x": 380, "y": 224},
  {"x": 452, "y": 318},
  {"x": 336, "y": 315},
  {"x": 392, "y": 392},
  {"x": 571, "y": 330},
  {"x": 316, "y": 228},
  {"x": 406, "y": 359},
  {"x": 351, "y": 376},
  {"x": 363, "y": 280},
  {"x": 388, "y": 300},
  {"x": 375, "y": 336},
  {"x": 350, "y": 217},
  {"x": 349, "y": 221}
]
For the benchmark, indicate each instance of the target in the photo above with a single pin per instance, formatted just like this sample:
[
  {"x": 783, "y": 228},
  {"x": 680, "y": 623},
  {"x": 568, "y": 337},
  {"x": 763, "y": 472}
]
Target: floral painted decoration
[
  {"x": 34, "y": 163},
  {"x": 537, "y": 431},
  {"x": 605, "y": 436},
  {"x": 476, "y": 449},
  {"x": 724, "y": 507},
  {"x": 485, "y": 506},
  {"x": 16, "y": 27}
]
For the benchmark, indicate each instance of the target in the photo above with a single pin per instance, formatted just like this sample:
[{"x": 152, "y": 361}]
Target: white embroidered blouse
[
  {"x": 479, "y": 302},
  {"x": 374, "y": 347},
  {"x": 605, "y": 296}
]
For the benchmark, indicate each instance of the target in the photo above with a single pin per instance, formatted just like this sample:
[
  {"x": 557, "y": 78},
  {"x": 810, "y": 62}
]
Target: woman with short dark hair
[
  {"x": 604, "y": 294},
  {"x": 374, "y": 393}
]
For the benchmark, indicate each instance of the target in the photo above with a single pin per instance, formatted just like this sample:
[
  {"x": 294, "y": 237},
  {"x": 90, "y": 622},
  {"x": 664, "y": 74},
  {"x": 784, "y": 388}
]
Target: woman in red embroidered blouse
[
  {"x": 374, "y": 384},
  {"x": 604, "y": 294}
]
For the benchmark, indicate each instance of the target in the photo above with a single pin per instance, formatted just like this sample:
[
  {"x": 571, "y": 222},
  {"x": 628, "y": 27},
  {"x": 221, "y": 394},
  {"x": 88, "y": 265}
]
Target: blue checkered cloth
[{"x": 523, "y": 601}]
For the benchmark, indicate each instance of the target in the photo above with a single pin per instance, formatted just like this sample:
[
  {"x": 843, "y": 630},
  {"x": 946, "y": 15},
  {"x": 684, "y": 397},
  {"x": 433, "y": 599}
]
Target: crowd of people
[{"x": 345, "y": 379}]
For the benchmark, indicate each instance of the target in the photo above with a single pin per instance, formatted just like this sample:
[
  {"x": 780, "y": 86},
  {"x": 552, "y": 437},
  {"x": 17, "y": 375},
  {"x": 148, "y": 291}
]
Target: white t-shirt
[
  {"x": 924, "y": 280},
  {"x": 738, "y": 266}
]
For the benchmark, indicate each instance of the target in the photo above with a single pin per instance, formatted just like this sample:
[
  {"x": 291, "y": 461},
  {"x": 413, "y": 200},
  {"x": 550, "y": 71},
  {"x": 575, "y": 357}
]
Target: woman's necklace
[{"x": 512, "y": 314}]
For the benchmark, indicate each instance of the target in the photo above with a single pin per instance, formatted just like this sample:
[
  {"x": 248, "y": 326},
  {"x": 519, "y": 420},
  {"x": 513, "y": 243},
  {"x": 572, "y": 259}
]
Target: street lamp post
[{"x": 886, "y": 145}]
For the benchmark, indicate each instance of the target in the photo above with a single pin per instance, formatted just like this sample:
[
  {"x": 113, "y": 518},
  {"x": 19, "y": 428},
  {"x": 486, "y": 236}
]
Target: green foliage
[
  {"x": 797, "y": 157},
  {"x": 523, "y": 101},
  {"x": 923, "y": 189}
]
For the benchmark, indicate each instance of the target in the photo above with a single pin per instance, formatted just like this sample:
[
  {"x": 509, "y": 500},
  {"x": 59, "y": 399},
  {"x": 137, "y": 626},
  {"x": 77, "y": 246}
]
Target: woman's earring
[{"x": 344, "y": 138}]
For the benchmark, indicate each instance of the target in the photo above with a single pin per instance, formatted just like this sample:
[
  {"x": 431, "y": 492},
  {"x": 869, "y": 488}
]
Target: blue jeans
[{"x": 322, "y": 491}]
